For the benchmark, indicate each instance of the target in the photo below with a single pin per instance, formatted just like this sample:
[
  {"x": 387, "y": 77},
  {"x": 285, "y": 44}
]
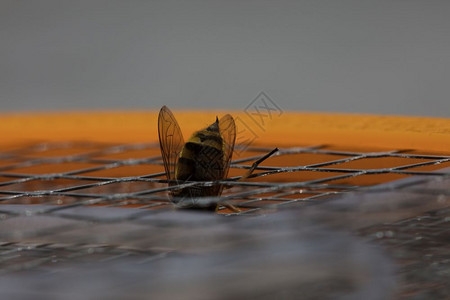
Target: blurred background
[{"x": 384, "y": 57}]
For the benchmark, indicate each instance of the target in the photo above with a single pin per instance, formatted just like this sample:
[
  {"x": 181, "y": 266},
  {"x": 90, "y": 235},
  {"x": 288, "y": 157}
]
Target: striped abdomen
[{"x": 201, "y": 159}]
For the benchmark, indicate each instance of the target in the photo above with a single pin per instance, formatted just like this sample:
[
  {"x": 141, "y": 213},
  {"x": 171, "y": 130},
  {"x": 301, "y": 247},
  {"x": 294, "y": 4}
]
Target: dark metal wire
[
  {"x": 151, "y": 189},
  {"x": 32, "y": 175}
]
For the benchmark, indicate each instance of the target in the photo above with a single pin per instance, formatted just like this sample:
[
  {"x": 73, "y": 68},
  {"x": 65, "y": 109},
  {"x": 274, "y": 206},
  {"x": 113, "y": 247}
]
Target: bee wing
[
  {"x": 170, "y": 140},
  {"x": 227, "y": 129}
]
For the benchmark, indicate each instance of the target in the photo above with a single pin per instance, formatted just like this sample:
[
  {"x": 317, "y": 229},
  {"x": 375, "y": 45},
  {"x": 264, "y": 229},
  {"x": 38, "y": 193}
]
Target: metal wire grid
[
  {"x": 182, "y": 253},
  {"x": 419, "y": 242},
  {"x": 68, "y": 226},
  {"x": 93, "y": 175},
  {"x": 420, "y": 245}
]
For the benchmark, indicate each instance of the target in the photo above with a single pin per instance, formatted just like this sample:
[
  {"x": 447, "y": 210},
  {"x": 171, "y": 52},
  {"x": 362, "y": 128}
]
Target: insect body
[{"x": 204, "y": 157}]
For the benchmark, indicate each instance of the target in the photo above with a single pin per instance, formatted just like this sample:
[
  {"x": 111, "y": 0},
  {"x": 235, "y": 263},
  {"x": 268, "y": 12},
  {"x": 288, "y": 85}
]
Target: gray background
[{"x": 388, "y": 57}]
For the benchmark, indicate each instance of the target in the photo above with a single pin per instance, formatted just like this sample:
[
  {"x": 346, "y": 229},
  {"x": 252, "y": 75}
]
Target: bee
[{"x": 206, "y": 156}]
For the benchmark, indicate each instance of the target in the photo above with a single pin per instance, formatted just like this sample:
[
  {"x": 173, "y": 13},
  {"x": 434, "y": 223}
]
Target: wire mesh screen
[
  {"x": 70, "y": 175},
  {"x": 62, "y": 215}
]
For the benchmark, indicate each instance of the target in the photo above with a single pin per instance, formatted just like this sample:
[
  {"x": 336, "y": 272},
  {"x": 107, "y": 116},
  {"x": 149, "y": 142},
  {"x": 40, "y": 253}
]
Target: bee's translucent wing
[
  {"x": 170, "y": 140},
  {"x": 227, "y": 129}
]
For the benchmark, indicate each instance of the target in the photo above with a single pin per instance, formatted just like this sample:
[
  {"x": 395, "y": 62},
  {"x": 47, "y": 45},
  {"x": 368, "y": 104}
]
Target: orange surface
[{"x": 288, "y": 129}]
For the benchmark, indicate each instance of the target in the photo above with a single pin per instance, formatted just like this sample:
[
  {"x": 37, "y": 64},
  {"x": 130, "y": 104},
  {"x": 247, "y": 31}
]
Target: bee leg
[
  {"x": 256, "y": 163},
  {"x": 229, "y": 206},
  {"x": 246, "y": 175}
]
